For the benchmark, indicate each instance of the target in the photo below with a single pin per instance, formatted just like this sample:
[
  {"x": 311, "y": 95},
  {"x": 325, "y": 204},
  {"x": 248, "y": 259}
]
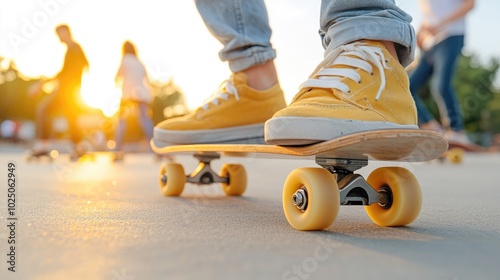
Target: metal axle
[{"x": 204, "y": 174}]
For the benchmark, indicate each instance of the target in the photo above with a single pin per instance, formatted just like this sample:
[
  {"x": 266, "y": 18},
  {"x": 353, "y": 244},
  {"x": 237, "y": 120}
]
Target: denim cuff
[
  {"x": 253, "y": 58},
  {"x": 373, "y": 28}
]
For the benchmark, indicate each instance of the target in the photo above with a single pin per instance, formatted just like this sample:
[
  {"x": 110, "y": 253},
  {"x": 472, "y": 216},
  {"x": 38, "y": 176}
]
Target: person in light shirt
[
  {"x": 132, "y": 77},
  {"x": 441, "y": 39}
]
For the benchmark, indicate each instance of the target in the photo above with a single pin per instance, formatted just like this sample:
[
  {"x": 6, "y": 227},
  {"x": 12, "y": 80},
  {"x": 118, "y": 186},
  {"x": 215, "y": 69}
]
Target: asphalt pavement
[{"x": 95, "y": 219}]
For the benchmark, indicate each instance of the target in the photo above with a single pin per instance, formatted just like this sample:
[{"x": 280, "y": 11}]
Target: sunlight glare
[
  {"x": 111, "y": 144},
  {"x": 49, "y": 86},
  {"x": 101, "y": 94}
]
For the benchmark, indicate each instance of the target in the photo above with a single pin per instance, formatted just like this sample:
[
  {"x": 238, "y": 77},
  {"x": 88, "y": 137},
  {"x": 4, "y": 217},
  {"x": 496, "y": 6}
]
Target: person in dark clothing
[{"x": 65, "y": 98}]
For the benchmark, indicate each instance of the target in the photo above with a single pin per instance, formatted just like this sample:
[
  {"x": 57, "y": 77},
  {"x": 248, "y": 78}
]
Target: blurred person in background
[
  {"x": 132, "y": 77},
  {"x": 66, "y": 96},
  {"x": 441, "y": 39}
]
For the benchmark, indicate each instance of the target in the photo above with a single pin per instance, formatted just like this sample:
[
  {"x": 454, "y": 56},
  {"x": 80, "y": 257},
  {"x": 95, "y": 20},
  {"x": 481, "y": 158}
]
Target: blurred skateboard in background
[
  {"x": 117, "y": 155},
  {"x": 38, "y": 155},
  {"x": 457, "y": 150},
  {"x": 93, "y": 156},
  {"x": 312, "y": 196}
]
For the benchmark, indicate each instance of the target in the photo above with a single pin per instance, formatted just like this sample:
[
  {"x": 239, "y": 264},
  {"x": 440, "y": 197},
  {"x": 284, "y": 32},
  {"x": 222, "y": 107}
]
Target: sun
[{"x": 101, "y": 93}]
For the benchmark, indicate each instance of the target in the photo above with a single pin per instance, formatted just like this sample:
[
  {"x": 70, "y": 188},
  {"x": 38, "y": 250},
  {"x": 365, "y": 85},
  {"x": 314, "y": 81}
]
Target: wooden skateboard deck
[
  {"x": 312, "y": 196},
  {"x": 392, "y": 145}
]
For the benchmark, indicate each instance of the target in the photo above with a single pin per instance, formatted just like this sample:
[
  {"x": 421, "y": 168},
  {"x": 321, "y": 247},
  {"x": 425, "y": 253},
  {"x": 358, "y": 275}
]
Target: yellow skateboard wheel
[
  {"x": 405, "y": 196},
  {"x": 237, "y": 179},
  {"x": 172, "y": 179},
  {"x": 455, "y": 155},
  {"x": 311, "y": 199}
]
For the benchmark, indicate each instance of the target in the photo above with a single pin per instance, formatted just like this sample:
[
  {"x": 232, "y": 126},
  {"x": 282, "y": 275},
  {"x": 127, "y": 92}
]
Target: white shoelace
[
  {"x": 224, "y": 92},
  {"x": 353, "y": 55}
]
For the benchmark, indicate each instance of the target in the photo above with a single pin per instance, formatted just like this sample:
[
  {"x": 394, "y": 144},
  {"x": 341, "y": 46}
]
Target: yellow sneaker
[
  {"x": 358, "y": 87},
  {"x": 235, "y": 112}
]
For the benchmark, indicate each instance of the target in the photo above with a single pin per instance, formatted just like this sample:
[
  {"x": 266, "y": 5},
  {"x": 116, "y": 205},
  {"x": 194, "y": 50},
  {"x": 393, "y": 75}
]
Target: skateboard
[
  {"x": 312, "y": 196},
  {"x": 93, "y": 156},
  {"x": 117, "y": 156},
  {"x": 456, "y": 151},
  {"x": 79, "y": 156},
  {"x": 37, "y": 155}
]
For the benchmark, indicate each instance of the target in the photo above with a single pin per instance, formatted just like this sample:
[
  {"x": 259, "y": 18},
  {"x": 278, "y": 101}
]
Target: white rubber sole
[
  {"x": 293, "y": 131},
  {"x": 231, "y": 134}
]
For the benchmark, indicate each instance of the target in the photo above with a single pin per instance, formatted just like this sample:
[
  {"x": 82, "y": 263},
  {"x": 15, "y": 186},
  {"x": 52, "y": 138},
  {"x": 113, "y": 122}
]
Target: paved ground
[{"x": 99, "y": 220}]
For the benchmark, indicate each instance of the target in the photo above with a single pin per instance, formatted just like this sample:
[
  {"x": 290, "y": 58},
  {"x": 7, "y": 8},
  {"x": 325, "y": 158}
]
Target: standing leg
[
  {"x": 361, "y": 84},
  {"x": 145, "y": 121},
  {"x": 75, "y": 133},
  {"x": 120, "y": 130},
  {"x": 346, "y": 21},
  {"x": 252, "y": 94},
  {"x": 44, "y": 112},
  {"x": 418, "y": 79},
  {"x": 72, "y": 111},
  {"x": 447, "y": 54},
  {"x": 243, "y": 28}
]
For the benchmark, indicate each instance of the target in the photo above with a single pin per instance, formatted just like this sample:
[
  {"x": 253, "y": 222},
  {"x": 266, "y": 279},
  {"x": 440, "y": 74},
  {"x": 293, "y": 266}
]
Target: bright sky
[{"x": 173, "y": 41}]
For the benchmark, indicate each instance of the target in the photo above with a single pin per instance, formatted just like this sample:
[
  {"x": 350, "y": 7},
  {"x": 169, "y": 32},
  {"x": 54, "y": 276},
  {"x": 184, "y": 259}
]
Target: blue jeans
[
  {"x": 242, "y": 26},
  {"x": 144, "y": 120},
  {"x": 439, "y": 63}
]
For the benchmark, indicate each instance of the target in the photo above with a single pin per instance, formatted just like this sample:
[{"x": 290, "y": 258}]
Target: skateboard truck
[
  {"x": 203, "y": 174},
  {"x": 354, "y": 190}
]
